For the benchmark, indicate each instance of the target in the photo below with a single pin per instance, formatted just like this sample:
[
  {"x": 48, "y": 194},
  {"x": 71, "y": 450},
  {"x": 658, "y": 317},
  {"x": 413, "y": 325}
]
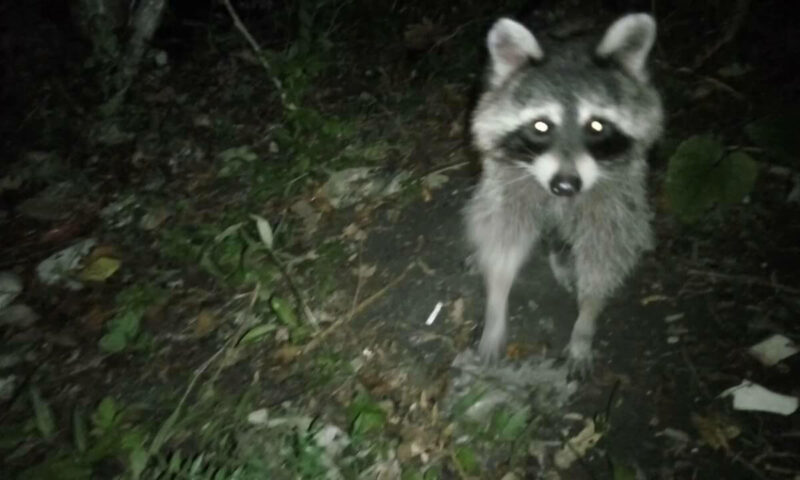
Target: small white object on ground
[
  {"x": 773, "y": 349},
  {"x": 751, "y": 396},
  {"x": 673, "y": 318},
  {"x": 258, "y": 417},
  {"x": 434, "y": 314}
]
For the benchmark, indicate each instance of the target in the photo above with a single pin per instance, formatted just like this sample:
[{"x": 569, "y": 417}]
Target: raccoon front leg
[
  {"x": 603, "y": 258},
  {"x": 580, "y": 359},
  {"x": 500, "y": 267}
]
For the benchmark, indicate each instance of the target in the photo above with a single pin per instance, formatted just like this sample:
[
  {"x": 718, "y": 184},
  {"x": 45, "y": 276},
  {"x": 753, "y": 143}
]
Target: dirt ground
[{"x": 184, "y": 342}]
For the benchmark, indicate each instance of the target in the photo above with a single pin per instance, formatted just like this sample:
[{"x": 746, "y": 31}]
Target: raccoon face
[{"x": 574, "y": 117}]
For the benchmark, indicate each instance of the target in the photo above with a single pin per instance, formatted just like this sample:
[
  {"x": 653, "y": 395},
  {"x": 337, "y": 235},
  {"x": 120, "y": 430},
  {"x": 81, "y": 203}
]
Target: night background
[{"x": 223, "y": 225}]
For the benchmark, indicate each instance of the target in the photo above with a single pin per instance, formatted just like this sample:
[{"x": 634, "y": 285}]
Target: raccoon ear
[
  {"x": 511, "y": 45},
  {"x": 628, "y": 41}
]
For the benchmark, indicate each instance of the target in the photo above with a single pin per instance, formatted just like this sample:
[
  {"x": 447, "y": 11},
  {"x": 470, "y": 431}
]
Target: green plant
[
  {"x": 307, "y": 456},
  {"x": 111, "y": 436},
  {"x": 236, "y": 160},
  {"x": 702, "y": 173},
  {"x": 124, "y": 329},
  {"x": 466, "y": 459},
  {"x": 231, "y": 255},
  {"x": 45, "y": 419},
  {"x": 197, "y": 467},
  {"x": 366, "y": 416}
]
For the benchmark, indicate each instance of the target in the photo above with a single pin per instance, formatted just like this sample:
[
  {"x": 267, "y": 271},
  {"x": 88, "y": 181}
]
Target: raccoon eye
[
  {"x": 542, "y": 126},
  {"x": 596, "y": 126},
  {"x": 604, "y": 141}
]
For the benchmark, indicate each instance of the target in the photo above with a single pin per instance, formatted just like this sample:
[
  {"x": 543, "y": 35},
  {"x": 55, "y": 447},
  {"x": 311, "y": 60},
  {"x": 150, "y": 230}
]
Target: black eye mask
[
  {"x": 527, "y": 140},
  {"x": 606, "y": 144}
]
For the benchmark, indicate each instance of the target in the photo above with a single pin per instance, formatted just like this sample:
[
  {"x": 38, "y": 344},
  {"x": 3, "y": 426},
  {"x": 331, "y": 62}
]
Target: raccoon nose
[{"x": 565, "y": 185}]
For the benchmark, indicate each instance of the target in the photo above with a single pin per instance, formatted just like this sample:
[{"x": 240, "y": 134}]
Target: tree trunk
[{"x": 144, "y": 23}]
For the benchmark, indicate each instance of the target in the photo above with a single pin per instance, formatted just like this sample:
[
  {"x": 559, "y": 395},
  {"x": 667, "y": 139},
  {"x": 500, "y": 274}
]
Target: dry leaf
[
  {"x": 577, "y": 446},
  {"x": 352, "y": 231},
  {"x": 365, "y": 271},
  {"x": 282, "y": 335},
  {"x": 457, "y": 311},
  {"x": 96, "y": 318},
  {"x": 653, "y": 298},
  {"x": 515, "y": 351},
  {"x": 205, "y": 323},
  {"x": 716, "y": 430},
  {"x": 426, "y": 195},
  {"x": 100, "y": 269},
  {"x": 154, "y": 218},
  {"x": 287, "y": 353}
]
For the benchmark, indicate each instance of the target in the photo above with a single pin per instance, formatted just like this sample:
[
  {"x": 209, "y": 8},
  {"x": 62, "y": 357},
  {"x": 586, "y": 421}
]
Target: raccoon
[{"x": 563, "y": 133}]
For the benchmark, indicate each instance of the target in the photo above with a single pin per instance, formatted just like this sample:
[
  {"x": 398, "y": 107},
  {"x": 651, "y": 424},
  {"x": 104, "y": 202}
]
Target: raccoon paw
[
  {"x": 491, "y": 346},
  {"x": 580, "y": 359}
]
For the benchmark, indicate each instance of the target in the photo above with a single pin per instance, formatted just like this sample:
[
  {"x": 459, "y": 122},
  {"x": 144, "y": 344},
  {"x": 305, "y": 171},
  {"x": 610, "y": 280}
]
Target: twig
[
  {"x": 610, "y": 402},
  {"x": 237, "y": 337},
  {"x": 256, "y": 48},
  {"x": 165, "y": 431},
  {"x": 457, "y": 31},
  {"x": 741, "y": 9},
  {"x": 747, "y": 279},
  {"x": 719, "y": 84},
  {"x": 234, "y": 340},
  {"x": 359, "y": 282},
  {"x": 772, "y": 454},
  {"x": 461, "y": 473},
  {"x": 695, "y": 375},
  {"x": 781, "y": 470},
  {"x": 313, "y": 344},
  {"x": 199, "y": 371},
  {"x": 751, "y": 467}
]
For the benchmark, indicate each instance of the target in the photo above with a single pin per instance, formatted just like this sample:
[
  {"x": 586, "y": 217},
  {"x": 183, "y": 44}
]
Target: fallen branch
[
  {"x": 695, "y": 376},
  {"x": 313, "y": 344},
  {"x": 746, "y": 279},
  {"x": 167, "y": 428}
]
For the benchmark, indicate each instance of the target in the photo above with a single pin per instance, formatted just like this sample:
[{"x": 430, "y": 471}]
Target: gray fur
[{"x": 603, "y": 229}]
